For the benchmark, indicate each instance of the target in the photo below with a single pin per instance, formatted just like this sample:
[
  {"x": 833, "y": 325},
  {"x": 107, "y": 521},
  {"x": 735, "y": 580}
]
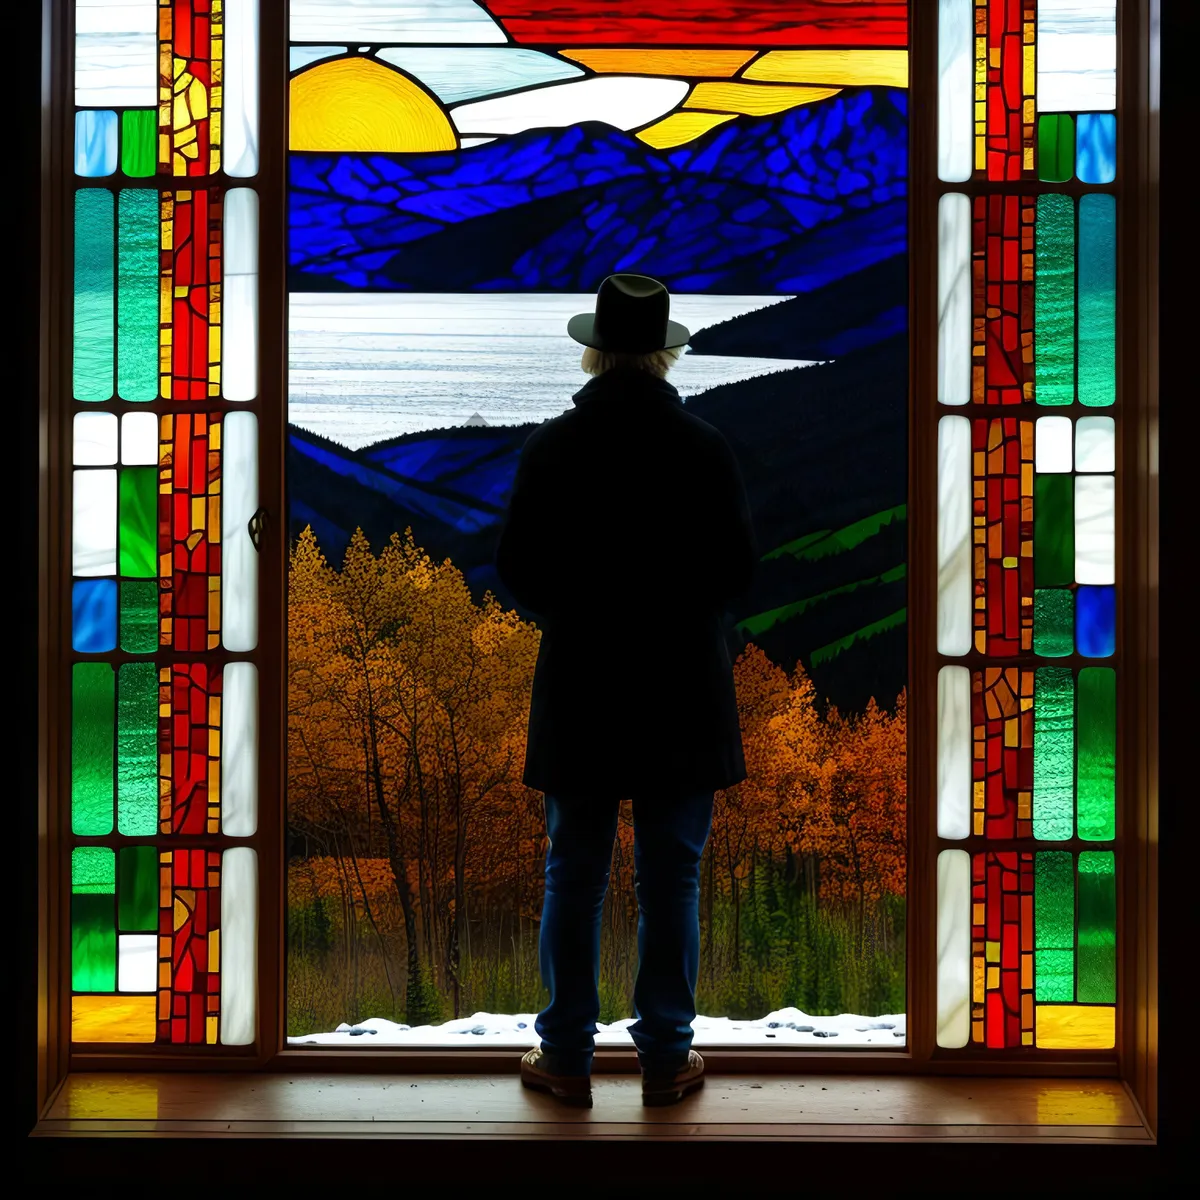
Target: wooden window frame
[{"x": 1134, "y": 1060}]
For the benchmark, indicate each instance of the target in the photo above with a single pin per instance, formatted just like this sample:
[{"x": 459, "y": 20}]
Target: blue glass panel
[
  {"x": 1096, "y": 621},
  {"x": 781, "y": 204},
  {"x": 95, "y": 142},
  {"x": 94, "y": 615},
  {"x": 1096, "y": 148}
]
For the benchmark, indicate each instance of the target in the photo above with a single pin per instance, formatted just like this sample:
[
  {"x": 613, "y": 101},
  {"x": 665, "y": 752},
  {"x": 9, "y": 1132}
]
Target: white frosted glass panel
[
  {"x": 95, "y": 440},
  {"x": 303, "y": 56},
  {"x": 954, "y": 752},
  {"x": 1095, "y": 525},
  {"x": 1076, "y": 55},
  {"x": 1052, "y": 445},
  {"x": 139, "y": 439},
  {"x": 239, "y": 333},
  {"x": 239, "y": 562},
  {"x": 239, "y": 120},
  {"x": 95, "y": 142},
  {"x": 954, "y": 536},
  {"x": 378, "y": 21},
  {"x": 137, "y": 962},
  {"x": 956, "y": 88},
  {"x": 621, "y": 100},
  {"x": 1095, "y": 444},
  {"x": 455, "y": 73},
  {"x": 94, "y": 523},
  {"x": 953, "y": 948},
  {"x": 954, "y": 299},
  {"x": 239, "y": 945},
  {"x": 116, "y": 53},
  {"x": 239, "y": 749}
]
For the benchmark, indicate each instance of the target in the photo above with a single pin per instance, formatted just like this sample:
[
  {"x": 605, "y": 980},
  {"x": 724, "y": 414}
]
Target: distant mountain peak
[{"x": 475, "y": 419}]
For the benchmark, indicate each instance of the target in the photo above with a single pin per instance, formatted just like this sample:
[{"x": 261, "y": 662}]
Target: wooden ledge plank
[{"x": 769, "y": 1106}]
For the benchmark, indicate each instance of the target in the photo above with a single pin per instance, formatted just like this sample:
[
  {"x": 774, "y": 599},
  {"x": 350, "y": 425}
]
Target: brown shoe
[
  {"x": 575, "y": 1090},
  {"x": 658, "y": 1089}
]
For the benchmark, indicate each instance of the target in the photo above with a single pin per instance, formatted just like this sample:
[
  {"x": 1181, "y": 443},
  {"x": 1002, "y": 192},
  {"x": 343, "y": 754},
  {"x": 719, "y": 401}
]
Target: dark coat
[{"x": 628, "y": 533}]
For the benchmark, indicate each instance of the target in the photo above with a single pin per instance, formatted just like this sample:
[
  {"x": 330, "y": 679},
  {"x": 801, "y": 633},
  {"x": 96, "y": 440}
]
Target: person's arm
[
  {"x": 734, "y": 546},
  {"x": 524, "y": 554}
]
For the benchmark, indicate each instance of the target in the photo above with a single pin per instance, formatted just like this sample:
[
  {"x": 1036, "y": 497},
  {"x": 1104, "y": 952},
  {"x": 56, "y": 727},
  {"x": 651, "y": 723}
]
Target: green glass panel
[
  {"x": 137, "y": 294},
  {"x": 1097, "y": 927},
  {"x": 137, "y": 898},
  {"x": 137, "y": 749},
  {"x": 1097, "y": 754},
  {"x": 1054, "y": 301},
  {"x": 139, "y": 617},
  {"x": 1054, "y": 926},
  {"x": 93, "y": 943},
  {"x": 139, "y": 545},
  {"x": 1053, "y": 753},
  {"x": 91, "y": 749},
  {"x": 139, "y": 136},
  {"x": 1053, "y": 530},
  {"x": 93, "y": 870},
  {"x": 93, "y": 361},
  {"x": 1053, "y": 622},
  {"x": 1097, "y": 300},
  {"x": 1056, "y": 148}
]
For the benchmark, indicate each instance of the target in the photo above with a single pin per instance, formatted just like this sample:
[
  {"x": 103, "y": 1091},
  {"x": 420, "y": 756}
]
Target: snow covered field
[{"x": 787, "y": 1027}]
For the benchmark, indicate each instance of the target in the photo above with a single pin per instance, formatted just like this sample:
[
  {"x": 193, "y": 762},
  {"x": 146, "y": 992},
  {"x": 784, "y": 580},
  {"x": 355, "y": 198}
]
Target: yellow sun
[{"x": 359, "y": 104}]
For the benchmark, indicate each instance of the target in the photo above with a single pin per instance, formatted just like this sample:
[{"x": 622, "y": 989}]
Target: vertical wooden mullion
[{"x": 922, "y": 537}]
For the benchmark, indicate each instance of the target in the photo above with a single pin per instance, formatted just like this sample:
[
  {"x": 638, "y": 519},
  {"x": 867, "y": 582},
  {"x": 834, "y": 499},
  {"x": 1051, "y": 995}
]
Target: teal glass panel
[
  {"x": 1053, "y": 753},
  {"x": 139, "y": 142},
  {"x": 137, "y": 747},
  {"x": 1054, "y": 301},
  {"x": 139, "y": 617},
  {"x": 93, "y": 327},
  {"x": 137, "y": 897},
  {"x": 1056, "y": 148},
  {"x": 1054, "y": 926},
  {"x": 1097, "y": 982},
  {"x": 92, "y": 749},
  {"x": 138, "y": 522},
  {"x": 1097, "y": 300},
  {"x": 137, "y": 295},
  {"x": 1097, "y": 763},
  {"x": 1053, "y": 622},
  {"x": 1053, "y": 530}
]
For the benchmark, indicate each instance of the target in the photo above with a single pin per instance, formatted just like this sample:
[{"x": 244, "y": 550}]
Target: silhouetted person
[{"x": 628, "y": 533}]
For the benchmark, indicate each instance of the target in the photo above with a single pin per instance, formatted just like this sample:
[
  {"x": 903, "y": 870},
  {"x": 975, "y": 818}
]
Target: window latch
[{"x": 256, "y": 527}]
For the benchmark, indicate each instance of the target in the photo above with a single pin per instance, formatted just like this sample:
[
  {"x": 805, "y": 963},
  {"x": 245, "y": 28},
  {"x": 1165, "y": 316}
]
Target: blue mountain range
[{"x": 782, "y": 204}]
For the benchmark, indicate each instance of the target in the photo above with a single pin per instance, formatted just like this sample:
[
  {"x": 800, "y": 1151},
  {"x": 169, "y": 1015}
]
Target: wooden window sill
[{"x": 774, "y": 1108}]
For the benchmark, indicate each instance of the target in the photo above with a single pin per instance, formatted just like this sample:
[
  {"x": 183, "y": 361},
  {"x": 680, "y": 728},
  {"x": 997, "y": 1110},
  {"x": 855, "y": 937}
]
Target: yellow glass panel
[
  {"x": 360, "y": 104},
  {"x": 754, "y": 99},
  {"x": 681, "y": 127},
  {"x": 1076, "y": 1026},
  {"x": 850, "y": 68},
  {"x": 661, "y": 62},
  {"x": 112, "y": 1018}
]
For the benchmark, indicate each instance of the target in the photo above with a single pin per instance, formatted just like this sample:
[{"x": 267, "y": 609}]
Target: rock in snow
[{"x": 787, "y": 1026}]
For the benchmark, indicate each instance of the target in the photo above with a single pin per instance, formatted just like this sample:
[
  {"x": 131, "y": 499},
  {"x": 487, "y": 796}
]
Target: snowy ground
[{"x": 787, "y": 1027}]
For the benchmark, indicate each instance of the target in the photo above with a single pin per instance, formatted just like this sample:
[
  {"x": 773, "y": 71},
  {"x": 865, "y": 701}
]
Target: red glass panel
[
  {"x": 189, "y": 991},
  {"x": 189, "y": 732},
  {"x": 1002, "y": 300},
  {"x": 189, "y": 89},
  {"x": 1002, "y": 724},
  {"x": 1006, "y": 69},
  {"x": 189, "y": 531},
  {"x": 1002, "y": 949},
  {"x": 1002, "y": 458},
  {"x": 703, "y": 22},
  {"x": 191, "y": 295}
]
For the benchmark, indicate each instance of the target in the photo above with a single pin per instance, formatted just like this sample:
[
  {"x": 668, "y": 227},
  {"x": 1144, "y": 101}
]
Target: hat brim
[{"x": 582, "y": 328}]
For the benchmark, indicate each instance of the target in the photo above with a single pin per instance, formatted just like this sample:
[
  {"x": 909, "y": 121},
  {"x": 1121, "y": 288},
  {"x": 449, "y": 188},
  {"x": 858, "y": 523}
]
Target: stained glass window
[
  {"x": 164, "y": 451},
  {"x": 1026, "y": 909}
]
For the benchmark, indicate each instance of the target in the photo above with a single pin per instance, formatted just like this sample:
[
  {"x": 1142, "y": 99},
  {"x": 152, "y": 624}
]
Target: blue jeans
[{"x": 669, "y": 838}]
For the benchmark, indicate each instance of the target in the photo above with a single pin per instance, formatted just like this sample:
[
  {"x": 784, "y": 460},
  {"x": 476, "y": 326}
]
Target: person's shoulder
[
  {"x": 549, "y": 432},
  {"x": 703, "y": 432}
]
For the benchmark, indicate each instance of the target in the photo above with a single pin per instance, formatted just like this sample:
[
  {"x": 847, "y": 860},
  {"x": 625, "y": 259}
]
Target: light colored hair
[{"x": 657, "y": 362}]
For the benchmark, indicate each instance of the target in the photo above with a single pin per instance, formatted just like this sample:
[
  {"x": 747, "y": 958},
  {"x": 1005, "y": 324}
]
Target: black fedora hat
[{"x": 633, "y": 316}]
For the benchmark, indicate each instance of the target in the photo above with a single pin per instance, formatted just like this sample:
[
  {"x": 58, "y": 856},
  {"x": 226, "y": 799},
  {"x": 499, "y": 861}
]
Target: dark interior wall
[{"x": 1181, "y": 31}]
